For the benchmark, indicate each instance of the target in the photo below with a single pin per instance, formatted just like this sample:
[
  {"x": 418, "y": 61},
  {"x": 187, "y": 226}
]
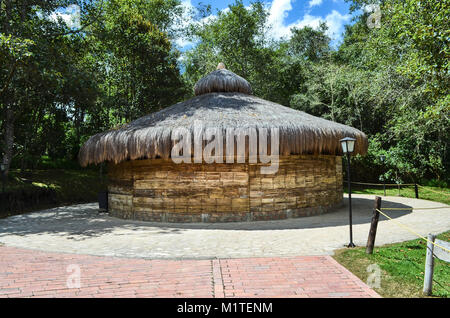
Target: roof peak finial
[
  {"x": 220, "y": 66},
  {"x": 222, "y": 80}
]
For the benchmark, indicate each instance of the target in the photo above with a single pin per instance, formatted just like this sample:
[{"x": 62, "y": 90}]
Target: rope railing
[
  {"x": 412, "y": 231},
  {"x": 403, "y": 209},
  {"x": 385, "y": 184},
  {"x": 438, "y": 192},
  {"x": 399, "y": 185},
  {"x": 428, "y": 279}
]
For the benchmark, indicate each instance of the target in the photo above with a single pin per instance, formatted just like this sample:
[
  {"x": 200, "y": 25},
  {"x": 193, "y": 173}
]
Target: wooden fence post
[
  {"x": 373, "y": 226},
  {"x": 429, "y": 266},
  {"x": 416, "y": 189}
]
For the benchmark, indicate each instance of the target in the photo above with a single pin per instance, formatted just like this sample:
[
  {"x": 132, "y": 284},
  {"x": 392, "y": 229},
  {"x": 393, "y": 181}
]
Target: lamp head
[{"x": 348, "y": 145}]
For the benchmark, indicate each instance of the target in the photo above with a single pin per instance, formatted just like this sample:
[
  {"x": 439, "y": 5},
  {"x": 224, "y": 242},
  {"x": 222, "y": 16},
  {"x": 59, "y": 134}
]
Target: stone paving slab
[
  {"x": 30, "y": 273},
  {"x": 80, "y": 229}
]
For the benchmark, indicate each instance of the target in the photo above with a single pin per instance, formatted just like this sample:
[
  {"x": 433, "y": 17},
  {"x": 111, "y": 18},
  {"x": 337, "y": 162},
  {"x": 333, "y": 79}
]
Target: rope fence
[
  {"x": 385, "y": 184},
  {"x": 410, "y": 209},
  {"x": 431, "y": 242},
  {"x": 412, "y": 231},
  {"x": 400, "y": 185},
  {"x": 438, "y": 192}
]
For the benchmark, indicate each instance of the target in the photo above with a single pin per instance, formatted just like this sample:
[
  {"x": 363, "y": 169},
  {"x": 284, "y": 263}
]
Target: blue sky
[
  {"x": 299, "y": 7},
  {"x": 285, "y": 14}
]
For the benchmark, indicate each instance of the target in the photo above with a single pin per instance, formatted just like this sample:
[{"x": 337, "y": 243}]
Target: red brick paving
[{"x": 29, "y": 273}]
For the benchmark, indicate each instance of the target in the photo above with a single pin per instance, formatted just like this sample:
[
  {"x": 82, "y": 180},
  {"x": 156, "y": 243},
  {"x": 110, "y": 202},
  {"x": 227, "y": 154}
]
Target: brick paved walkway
[{"x": 29, "y": 273}]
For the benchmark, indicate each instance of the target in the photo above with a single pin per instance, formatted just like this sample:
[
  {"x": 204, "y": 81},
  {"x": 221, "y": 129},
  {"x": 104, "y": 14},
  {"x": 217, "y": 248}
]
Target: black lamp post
[
  {"x": 383, "y": 158},
  {"x": 348, "y": 146}
]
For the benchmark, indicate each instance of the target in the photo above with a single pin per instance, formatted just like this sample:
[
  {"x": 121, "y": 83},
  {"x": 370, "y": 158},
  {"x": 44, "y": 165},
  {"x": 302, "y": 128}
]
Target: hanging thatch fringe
[{"x": 150, "y": 136}]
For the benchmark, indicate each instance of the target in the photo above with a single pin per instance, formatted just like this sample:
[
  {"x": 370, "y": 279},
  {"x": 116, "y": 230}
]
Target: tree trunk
[
  {"x": 9, "y": 120},
  {"x": 9, "y": 138}
]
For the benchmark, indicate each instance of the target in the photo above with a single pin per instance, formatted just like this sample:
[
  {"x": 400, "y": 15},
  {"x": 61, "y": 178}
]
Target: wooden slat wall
[{"x": 160, "y": 190}]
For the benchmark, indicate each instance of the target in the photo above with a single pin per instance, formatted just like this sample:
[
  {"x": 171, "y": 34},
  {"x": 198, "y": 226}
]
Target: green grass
[
  {"x": 402, "y": 264},
  {"x": 70, "y": 186},
  {"x": 402, "y": 268},
  {"x": 425, "y": 193}
]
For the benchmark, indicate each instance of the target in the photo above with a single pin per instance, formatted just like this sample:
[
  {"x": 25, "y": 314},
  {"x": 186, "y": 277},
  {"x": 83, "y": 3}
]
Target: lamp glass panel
[
  {"x": 344, "y": 146},
  {"x": 350, "y": 146}
]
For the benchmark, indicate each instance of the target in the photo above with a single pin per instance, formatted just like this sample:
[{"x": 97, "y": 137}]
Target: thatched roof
[
  {"x": 223, "y": 102},
  {"x": 222, "y": 80}
]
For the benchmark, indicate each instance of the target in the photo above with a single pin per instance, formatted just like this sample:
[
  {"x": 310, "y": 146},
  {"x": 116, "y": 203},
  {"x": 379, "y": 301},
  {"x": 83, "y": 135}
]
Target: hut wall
[{"x": 160, "y": 190}]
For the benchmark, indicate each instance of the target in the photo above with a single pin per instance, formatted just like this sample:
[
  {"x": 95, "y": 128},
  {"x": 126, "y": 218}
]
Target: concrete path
[
  {"x": 28, "y": 273},
  {"x": 80, "y": 229}
]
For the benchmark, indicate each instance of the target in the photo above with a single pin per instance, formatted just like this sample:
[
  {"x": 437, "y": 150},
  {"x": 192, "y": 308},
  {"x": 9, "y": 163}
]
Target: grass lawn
[
  {"x": 402, "y": 264},
  {"x": 426, "y": 193},
  {"x": 402, "y": 268},
  {"x": 70, "y": 186}
]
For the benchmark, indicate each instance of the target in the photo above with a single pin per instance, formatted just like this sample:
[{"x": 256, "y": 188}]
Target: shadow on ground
[{"x": 80, "y": 222}]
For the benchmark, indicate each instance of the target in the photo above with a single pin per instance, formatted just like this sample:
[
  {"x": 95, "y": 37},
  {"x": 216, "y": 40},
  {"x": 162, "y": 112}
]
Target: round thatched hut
[{"x": 223, "y": 155}]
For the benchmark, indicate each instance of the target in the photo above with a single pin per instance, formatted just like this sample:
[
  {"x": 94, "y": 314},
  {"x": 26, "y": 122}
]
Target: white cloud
[
  {"x": 336, "y": 22},
  {"x": 279, "y": 11},
  {"x": 369, "y": 8},
  {"x": 313, "y": 3},
  {"x": 188, "y": 9},
  {"x": 70, "y": 15},
  {"x": 186, "y": 20}
]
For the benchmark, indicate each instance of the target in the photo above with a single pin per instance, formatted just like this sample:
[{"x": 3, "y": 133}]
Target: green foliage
[
  {"x": 14, "y": 49},
  {"x": 67, "y": 186},
  {"x": 313, "y": 45},
  {"x": 61, "y": 82},
  {"x": 235, "y": 38},
  {"x": 367, "y": 83},
  {"x": 408, "y": 59},
  {"x": 139, "y": 65},
  {"x": 238, "y": 39}
]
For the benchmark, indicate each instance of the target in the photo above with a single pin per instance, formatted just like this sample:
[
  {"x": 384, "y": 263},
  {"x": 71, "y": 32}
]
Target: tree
[
  {"x": 235, "y": 38},
  {"x": 32, "y": 51},
  {"x": 238, "y": 38},
  {"x": 313, "y": 45},
  {"x": 410, "y": 53},
  {"x": 140, "y": 67},
  {"x": 62, "y": 81}
]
